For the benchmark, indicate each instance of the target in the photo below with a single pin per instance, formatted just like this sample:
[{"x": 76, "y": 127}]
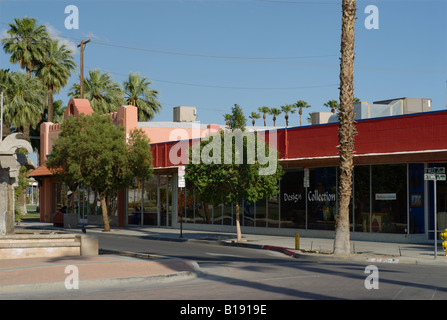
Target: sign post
[
  {"x": 181, "y": 184},
  {"x": 435, "y": 174}
]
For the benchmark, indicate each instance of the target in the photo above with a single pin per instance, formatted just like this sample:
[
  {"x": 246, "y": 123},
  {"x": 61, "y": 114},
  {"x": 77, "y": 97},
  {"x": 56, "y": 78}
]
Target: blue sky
[{"x": 213, "y": 54}]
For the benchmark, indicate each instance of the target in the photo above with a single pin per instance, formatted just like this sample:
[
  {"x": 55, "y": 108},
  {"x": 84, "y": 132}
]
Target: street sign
[
  {"x": 435, "y": 170},
  {"x": 181, "y": 176},
  {"x": 435, "y": 174},
  {"x": 306, "y": 178}
]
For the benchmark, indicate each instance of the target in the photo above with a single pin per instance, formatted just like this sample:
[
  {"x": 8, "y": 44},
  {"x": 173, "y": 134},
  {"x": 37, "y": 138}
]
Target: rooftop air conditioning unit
[{"x": 185, "y": 114}]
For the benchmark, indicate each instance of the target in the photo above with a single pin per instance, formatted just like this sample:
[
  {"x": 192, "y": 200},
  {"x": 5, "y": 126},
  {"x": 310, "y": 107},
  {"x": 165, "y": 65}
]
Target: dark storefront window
[
  {"x": 361, "y": 191},
  {"x": 261, "y": 213},
  {"x": 441, "y": 202},
  {"x": 293, "y": 200},
  {"x": 150, "y": 202},
  {"x": 416, "y": 189},
  {"x": 383, "y": 197},
  {"x": 322, "y": 198},
  {"x": 249, "y": 214},
  {"x": 389, "y": 198}
]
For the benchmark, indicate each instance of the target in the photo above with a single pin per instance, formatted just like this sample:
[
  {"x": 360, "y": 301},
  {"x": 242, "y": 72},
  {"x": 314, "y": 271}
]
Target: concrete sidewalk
[{"x": 109, "y": 268}]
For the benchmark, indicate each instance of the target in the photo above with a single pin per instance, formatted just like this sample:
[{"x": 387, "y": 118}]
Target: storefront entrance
[
  {"x": 150, "y": 202},
  {"x": 441, "y": 203}
]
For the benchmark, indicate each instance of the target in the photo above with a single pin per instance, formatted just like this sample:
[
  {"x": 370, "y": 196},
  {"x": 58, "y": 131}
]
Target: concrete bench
[{"x": 17, "y": 246}]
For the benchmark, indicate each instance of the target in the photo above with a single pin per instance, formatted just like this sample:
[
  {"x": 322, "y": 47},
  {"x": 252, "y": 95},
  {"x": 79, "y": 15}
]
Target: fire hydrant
[{"x": 444, "y": 243}]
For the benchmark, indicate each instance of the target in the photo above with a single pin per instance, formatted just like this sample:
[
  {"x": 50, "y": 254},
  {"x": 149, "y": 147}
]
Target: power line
[
  {"x": 210, "y": 55},
  {"x": 228, "y": 87}
]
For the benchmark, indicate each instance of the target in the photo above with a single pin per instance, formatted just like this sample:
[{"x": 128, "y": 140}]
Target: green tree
[
  {"x": 229, "y": 182},
  {"x": 288, "y": 108},
  {"x": 236, "y": 120},
  {"x": 4, "y": 75},
  {"x": 227, "y": 118},
  {"x": 92, "y": 151},
  {"x": 253, "y": 117},
  {"x": 54, "y": 70},
  {"x": 26, "y": 43},
  {"x": 264, "y": 110},
  {"x": 104, "y": 94},
  {"x": 333, "y": 105},
  {"x": 275, "y": 112},
  {"x": 22, "y": 105},
  {"x": 346, "y": 127},
  {"x": 300, "y": 104},
  {"x": 138, "y": 94}
]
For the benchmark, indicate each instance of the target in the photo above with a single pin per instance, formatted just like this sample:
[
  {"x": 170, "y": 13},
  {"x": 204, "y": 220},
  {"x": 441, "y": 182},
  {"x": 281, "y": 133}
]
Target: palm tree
[
  {"x": 275, "y": 112},
  {"x": 4, "y": 75},
  {"x": 22, "y": 102},
  {"x": 264, "y": 110},
  {"x": 333, "y": 105},
  {"x": 26, "y": 43},
  {"x": 286, "y": 109},
  {"x": 346, "y": 127},
  {"x": 253, "y": 117},
  {"x": 227, "y": 118},
  {"x": 300, "y": 105},
  {"x": 138, "y": 94},
  {"x": 104, "y": 94},
  {"x": 55, "y": 70}
]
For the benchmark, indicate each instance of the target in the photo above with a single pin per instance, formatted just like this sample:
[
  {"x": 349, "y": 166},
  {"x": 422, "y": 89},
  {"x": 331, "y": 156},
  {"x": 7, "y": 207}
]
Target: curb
[
  {"x": 100, "y": 283},
  {"x": 367, "y": 259}
]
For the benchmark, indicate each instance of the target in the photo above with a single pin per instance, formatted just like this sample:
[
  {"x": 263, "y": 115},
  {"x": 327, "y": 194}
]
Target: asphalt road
[{"x": 244, "y": 274}]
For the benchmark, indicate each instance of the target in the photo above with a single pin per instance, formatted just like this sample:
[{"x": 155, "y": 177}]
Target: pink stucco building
[{"x": 126, "y": 116}]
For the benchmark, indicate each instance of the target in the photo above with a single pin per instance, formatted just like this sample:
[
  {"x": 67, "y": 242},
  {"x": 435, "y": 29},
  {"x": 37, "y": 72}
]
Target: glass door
[{"x": 165, "y": 201}]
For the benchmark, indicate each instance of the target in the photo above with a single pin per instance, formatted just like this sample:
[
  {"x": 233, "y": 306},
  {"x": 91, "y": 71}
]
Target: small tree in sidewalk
[
  {"x": 93, "y": 152},
  {"x": 221, "y": 169}
]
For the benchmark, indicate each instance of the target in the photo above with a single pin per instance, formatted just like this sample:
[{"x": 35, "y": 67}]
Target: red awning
[{"x": 40, "y": 172}]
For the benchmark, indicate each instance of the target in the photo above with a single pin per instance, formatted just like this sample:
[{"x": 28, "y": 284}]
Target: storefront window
[
  {"x": 150, "y": 202},
  {"x": 273, "y": 212},
  {"x": 389, "y": 198},
  {"x": 248, "y": 213},
  {"x": 228, "y": 215},
  {"x": 416, "y": 189},
  {"x": 441, "y": 202},
  {"x": 322, "y": 198},
  {"x": 361, "y": 190},
  {"x": 189, "y": 206},
  {"x": 217, "y": 214},
  {"x": 293, "y": 200}
]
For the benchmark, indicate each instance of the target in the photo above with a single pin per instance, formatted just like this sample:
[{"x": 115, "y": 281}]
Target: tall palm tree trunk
[
  {"x": 50, "y": 104},
  {"x": 346, "y": 130}
]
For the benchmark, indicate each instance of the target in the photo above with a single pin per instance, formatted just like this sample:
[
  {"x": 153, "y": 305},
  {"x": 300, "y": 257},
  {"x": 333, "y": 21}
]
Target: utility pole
[{"x": 82, "y": 44}]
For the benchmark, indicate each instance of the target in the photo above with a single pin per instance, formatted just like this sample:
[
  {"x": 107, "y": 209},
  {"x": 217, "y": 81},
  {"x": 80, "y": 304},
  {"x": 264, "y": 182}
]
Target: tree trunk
[
  {"x": 346, "y": 130},
  {"x": 6, "y": 129},
  {"x": 300, "y": 113},
  {"x": 238, "y": 223},
  {"x": 26, "y": 131},
  {"x": 50, "y": 104},
  {"x": 105, "y": 217}
]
